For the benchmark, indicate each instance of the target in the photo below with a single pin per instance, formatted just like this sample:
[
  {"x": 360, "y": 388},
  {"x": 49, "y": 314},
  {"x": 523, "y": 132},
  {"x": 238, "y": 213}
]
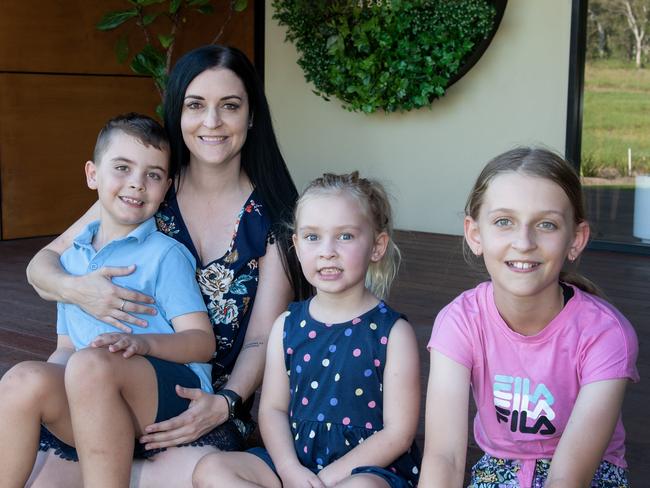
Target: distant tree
[
  {"x": 608, "y": 35},
  {"x": 637, "y": 15},
  {"x": 598, "y": 30},
  {"x": 619, "y": 29}
]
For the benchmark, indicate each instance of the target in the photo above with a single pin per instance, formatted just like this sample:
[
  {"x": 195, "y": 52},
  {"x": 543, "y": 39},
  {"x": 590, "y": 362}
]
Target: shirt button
[{"x": 93, "y": 266}]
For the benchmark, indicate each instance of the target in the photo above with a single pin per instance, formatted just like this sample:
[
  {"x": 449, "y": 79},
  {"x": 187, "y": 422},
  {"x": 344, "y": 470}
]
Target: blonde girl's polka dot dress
[{"x": 335, "y": 376}]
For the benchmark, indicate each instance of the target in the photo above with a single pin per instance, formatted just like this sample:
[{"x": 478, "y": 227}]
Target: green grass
[
  {"x": 616, "y": 117},
  {"x": 608, "y": 186},
  {"x": 611, "y": 63}
]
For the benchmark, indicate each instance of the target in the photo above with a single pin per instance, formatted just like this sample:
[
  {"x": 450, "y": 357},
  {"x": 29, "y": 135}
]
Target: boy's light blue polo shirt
[{"x": 165, "y": 270}]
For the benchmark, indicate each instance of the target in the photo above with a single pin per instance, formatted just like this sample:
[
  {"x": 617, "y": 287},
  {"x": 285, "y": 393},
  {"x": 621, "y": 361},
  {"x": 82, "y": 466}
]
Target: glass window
[{"x": 615, "y": 150}]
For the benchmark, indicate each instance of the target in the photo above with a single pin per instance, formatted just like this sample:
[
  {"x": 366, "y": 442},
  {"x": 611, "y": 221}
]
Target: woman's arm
[
  {"x": 273, "y": 295},
  {"x": 94, "y": 292},
  {"x": 401, "y": 398},
  {"x": 445, "y": 441},
  {"x": 274, "y": 415},
  {"x": 207, "y": 411},
  {"x": 587, "y": 434},
  {"x": 44, "y": 271}
]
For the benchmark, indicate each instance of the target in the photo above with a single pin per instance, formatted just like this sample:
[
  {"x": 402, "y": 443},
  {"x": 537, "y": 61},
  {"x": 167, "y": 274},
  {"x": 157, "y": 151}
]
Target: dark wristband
[{"x": 233, "y": 400}]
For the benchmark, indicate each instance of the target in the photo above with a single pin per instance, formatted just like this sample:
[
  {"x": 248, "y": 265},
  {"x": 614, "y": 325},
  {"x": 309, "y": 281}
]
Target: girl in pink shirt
[{"x": 546, "y": 358}]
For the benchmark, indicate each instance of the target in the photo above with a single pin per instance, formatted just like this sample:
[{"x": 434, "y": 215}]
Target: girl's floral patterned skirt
[{"x": 490, "y": 472}]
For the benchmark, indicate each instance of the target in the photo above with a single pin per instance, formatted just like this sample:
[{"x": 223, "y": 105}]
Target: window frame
[{"x": 573, "y": 147}]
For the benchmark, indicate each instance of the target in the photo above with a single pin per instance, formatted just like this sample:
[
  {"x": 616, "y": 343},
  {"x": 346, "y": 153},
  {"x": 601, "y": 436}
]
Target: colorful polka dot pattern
[{"x": 335, "y": 375}]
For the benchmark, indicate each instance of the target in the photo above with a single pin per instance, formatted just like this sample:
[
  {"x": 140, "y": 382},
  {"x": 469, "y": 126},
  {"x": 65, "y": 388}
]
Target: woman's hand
[
  {"x": 97, "y": 295},
  {"x": 205, "y": 412},
  {"x": 297, "y": 476},
  {"x": 129, "y": 343}
]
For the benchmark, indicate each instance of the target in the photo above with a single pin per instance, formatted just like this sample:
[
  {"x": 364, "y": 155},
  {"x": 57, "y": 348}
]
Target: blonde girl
[
  {"x": 339, "y": 405},
  {"x": 547, "y": 359}
]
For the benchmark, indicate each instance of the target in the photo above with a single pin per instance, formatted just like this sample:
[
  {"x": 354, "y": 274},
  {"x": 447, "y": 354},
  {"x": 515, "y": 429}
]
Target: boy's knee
[
  {"x": 209, "y": 470},
  {"x": 26, "y": 382},
  {"x": 89, "y": 367}
]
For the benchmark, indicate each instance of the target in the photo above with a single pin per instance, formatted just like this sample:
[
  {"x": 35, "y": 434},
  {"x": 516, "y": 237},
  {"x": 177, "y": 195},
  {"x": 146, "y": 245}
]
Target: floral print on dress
[
  {"x": 253, "y": 207},
  {"x": 166, "y": 224},
  {"x": 228, "y": 284},
  {"x": 214, "y": 280},
  {"x": 491, "y": 472},
  {"x": 238, "y": 287},
  {"x": 223, "y": 311}
]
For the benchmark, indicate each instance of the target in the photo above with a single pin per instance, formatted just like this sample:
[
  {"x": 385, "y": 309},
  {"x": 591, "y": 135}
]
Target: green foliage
[
  {"x": 122, "y": 49},
  {"x": 154, "y": 59},
  {"x": 239, "y": 5},
  {"x": 174, "y": 5},
  {"x": 111, "y": 20},
  {"x": 388, "y": 55},
  {"x": 151, "y": 62}
]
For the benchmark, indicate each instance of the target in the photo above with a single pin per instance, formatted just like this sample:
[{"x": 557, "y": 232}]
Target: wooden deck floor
[{"x": 433, "y": 273}]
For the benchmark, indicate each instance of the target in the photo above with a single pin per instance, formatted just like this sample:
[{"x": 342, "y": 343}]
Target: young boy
[{"x": 115, "y": 383}]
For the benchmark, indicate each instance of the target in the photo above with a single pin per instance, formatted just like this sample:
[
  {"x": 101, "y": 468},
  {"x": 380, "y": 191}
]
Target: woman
[{"x": 231, "y": 194}]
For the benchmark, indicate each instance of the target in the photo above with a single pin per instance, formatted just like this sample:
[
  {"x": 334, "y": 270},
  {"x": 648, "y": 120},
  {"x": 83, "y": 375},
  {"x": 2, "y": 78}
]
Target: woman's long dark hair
[{"x": 261, "y": 159}]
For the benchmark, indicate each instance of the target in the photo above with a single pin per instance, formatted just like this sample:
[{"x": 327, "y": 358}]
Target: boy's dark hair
[{"x": 143, "y": 128}]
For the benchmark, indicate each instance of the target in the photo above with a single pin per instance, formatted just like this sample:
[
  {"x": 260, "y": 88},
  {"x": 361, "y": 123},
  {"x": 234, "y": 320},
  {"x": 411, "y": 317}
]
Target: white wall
[{"x": 515, "y": 94}]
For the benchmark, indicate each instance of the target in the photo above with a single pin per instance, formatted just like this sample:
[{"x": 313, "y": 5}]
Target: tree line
[{"x": 617, "y": 29}]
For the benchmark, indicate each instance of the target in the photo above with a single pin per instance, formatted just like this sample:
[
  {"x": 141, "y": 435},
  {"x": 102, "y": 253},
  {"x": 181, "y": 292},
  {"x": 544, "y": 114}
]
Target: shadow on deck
[{"x": 433, "y": 273}]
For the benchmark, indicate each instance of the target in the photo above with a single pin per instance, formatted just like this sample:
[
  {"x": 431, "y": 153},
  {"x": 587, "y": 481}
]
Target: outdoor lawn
[{"x": 616, "y": 116}]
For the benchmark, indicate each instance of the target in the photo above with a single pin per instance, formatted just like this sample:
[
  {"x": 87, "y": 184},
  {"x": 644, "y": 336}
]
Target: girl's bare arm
[
  {"x": 274, "y": 415},
  {"x": 445, "y": 440},
  {"x": 587, "y": 434}
]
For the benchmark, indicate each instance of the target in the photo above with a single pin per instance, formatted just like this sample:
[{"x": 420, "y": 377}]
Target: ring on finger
[{"x": 122, "y": 306}]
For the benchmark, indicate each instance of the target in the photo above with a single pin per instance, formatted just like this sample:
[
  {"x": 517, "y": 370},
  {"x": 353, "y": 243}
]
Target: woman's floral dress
[{"x": 228, "y": 285}]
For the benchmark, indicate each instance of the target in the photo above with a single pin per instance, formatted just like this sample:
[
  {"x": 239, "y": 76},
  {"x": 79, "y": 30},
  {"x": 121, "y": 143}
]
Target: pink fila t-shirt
[{"x": 525, "y": 386}]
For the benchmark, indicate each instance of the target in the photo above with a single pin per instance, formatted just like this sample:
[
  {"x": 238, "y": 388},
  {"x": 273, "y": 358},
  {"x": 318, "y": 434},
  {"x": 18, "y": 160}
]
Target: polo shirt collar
[
  {"x": 143, "y": 231},
  {"x": 140, "y": 233}
]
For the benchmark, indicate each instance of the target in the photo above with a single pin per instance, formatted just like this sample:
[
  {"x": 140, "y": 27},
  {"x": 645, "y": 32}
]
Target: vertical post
[
  {"x": 629, "y": 161},
  {"x": 576, "y": 81}
]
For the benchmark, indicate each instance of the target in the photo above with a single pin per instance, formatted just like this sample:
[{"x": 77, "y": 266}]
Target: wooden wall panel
[
  {"x": 59, "y": 36},
  {"x": 48, "y": 127},
  {"x": 59, "y": 83}
]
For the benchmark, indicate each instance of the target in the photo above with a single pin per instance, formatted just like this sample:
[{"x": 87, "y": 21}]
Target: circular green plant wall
[{"x": 391, "y": 55}]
